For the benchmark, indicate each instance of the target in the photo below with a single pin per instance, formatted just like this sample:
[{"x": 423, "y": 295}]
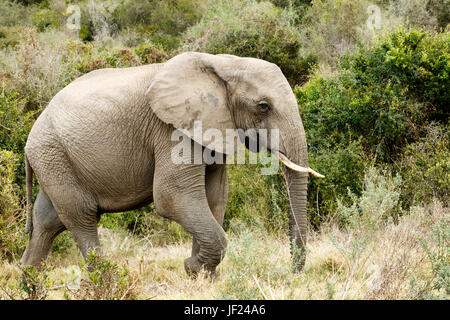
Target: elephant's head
[{"x": 229, "y": 92}]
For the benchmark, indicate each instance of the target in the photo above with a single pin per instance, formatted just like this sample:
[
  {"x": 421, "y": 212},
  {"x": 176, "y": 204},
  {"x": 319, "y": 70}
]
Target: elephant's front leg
[
  {"x": 180, "y": 195},
  {"x": 216, "y": 184}
]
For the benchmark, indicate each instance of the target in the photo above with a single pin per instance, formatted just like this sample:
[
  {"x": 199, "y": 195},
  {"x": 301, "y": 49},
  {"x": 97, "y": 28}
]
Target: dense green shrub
[
  {"x": 343, "y": 166},
  {"x": 425, "y": 167},
  {"x": 255, "y": 199},
  {"x": 146, "y": 222},
  {"x": 9, "y": 36},
  {"x": 30, "y": 2},
  {"x": 291, "y": 3},
  {"x": 12, "y": 217},
  {"x": 378, "y": 203},
  {"x": 414, "y": 61},
  {"x": 149, "y": 53},
  {"x": 9, "y": 200},
  {"x": 385, "y": 94},
  {"x": 106, "y": 281},
  {"x": 45, "y": 18},
  {"x": 252, "y": 29},
  {"x": 14, "y": 127},
  {"x": 160, "y": 21},
  {"x": 381, "y": 100}
]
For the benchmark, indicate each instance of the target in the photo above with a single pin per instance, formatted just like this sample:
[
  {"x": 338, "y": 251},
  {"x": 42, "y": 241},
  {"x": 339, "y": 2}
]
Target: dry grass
[{"x": 377, "y": 264}]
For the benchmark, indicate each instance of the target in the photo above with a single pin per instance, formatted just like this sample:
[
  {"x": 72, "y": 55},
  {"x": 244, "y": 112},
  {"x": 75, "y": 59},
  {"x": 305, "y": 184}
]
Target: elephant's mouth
[{"x": 255, "y": 145}]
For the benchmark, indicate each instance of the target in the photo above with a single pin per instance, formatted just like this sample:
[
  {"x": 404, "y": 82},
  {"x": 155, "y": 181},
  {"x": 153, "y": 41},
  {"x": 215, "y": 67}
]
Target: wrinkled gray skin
[{"x": 103, "y": 144}]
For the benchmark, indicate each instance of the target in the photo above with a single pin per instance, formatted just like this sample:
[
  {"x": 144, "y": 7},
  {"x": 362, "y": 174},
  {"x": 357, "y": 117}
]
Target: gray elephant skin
[{"x": 103, "y": 144}]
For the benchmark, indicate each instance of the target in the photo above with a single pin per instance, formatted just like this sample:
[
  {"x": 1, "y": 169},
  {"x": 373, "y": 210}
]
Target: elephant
[{"x": 103, "y": 144}]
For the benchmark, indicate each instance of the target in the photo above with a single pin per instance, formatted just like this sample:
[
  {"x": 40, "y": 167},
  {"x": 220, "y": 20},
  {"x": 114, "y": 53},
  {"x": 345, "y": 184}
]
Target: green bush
[
  {"x": 409, "y": 62},
  {"x": 62, "y": 243},
  {"x": 31, "y": 2},
  {"x": 425, "y": 167},
  {"x": 14, "y": 128},
  {"x": 45, "y": 18},
  {"x": 146, "y": 222},
  {"x": 86, "y": 33},
  {"x": 86, "y": 57},
  {"x": 385, "y": 94},
  {"x": 35, "y": 283},
  {"x": 10, "y": 36},
  {"x": 251, "y": 29},
  {"x": 12, "y": 216},
  {"x": 9, "y": 201},
  {"x": 378, "y": 203},
  {"x": 343, "y": 166},
  {"x": 368, "y": 111},
  {"x": 148, "y": 53},
  {"x": 437, "y": 252},
  {"x": 97, "y": 21},
  {"x": 255, "y": 199},
  {"x": 106, "y": 281},
  {"x": 160, "y": 21}
]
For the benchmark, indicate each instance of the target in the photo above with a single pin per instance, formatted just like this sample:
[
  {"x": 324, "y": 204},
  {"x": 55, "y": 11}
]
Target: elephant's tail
[{"x": 29, "y": 178}]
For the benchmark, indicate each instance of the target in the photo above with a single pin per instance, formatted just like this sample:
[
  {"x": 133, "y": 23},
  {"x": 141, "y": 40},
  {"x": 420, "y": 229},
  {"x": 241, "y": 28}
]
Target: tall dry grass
[{"x": 390, "y": 262}]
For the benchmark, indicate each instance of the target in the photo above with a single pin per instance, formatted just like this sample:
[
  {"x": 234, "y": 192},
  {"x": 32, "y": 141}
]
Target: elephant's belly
[
  {"x": 120, "y": 186},
  {"x": 125, "y": 197},
  {"x": 124, "y": 203}
]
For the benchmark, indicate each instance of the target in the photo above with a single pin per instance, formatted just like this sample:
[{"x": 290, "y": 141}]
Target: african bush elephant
[{"x": 103, "y": 144}]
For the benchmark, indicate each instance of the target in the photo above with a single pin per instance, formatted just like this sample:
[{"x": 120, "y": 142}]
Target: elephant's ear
[{"x": 192, "y": 87}]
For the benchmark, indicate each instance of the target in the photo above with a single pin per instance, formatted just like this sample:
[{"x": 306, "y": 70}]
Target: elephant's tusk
[{"x": 296, "y": 167}]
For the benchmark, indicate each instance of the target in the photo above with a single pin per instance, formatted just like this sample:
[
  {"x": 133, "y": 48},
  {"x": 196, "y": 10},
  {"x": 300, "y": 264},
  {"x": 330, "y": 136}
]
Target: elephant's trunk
[
  {"x": 296, "y": 185},
  {"x": 296, "y": 170}
]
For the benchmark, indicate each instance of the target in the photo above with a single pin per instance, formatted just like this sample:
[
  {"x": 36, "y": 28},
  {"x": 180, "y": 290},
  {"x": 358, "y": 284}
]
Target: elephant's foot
[
  {"x": 38, "y": 247},
  {"x": 193, "y": 266},
  {"x": 29, "y": 259}
]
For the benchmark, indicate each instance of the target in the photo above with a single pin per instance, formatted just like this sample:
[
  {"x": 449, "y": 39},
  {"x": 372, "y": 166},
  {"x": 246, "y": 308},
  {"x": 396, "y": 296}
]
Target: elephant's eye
[{"x": 263, "y": 106}]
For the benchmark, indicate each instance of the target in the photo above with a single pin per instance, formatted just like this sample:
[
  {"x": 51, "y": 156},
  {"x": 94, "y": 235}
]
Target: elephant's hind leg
[
  {"x": 78, "y": 211},
  {"x": 46, "y": 226},
  {"x": 75, "y": 205}
]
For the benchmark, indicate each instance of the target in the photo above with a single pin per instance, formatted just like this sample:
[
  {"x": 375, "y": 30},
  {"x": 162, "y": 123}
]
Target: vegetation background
[{"x": 375, "y": 106}]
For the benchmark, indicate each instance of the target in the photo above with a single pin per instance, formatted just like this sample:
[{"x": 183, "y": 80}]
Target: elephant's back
[
  {"x": 95, "y": 122},
  {"x": 104, "y": 87},
  {"x": 101, "y": 103}
]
